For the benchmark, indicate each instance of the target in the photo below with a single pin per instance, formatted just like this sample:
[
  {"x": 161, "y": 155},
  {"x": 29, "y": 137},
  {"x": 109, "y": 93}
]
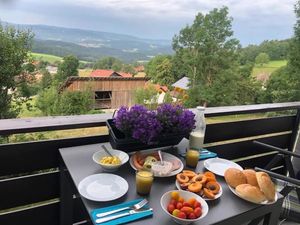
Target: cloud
[
  {"x": 253, "y": 20},
  {"x": 188, "y": 8}
]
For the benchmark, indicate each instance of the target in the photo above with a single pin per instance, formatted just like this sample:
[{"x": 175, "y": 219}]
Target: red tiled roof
[
  {"x": 157, "y": 87},
  {"x": 109, "y": 73},
  {"x": 125, "y": 74}
]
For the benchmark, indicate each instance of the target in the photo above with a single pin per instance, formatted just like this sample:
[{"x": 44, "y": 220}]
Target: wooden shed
[{"x": 109, "y": 92}]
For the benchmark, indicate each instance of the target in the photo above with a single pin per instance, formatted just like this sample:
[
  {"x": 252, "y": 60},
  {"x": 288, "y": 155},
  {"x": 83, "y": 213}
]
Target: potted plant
[{"x": 138, "y": 128}]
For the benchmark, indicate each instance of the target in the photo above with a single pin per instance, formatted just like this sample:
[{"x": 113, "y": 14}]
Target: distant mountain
[{"x": 91, "y": 45}]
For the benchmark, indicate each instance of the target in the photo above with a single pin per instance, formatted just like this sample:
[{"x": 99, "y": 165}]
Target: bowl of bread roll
[{"x": 252, "y": 186}]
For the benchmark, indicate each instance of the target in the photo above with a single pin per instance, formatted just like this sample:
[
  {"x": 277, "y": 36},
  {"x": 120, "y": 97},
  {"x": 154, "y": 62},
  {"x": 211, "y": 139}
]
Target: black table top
[{"x": 78, "y": 161}]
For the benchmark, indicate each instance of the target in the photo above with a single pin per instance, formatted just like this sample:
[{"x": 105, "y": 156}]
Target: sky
[{"x": 253, "y": 20}]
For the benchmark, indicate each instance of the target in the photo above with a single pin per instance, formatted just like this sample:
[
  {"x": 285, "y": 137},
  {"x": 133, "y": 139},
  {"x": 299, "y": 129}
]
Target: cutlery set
[{"x": 135, "y": 209}]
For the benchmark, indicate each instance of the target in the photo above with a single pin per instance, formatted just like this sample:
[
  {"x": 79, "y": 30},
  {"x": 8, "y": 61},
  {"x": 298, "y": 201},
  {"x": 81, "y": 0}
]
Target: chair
[
  {"x": 290, "y": 184},
  {"x": 290, "y": 163}
]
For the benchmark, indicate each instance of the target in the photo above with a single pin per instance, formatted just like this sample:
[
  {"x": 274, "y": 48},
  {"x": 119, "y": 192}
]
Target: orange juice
[
  {"x": 144, "y": 180},
  {"x": 192, "y": 157}
]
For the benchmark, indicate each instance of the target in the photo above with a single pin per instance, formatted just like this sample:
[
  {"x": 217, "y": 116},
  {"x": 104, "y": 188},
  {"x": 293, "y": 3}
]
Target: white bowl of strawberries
[{"x": 183, "y": 206}]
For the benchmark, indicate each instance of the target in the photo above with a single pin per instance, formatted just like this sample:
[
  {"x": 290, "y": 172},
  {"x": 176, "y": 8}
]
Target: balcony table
[{"x": 77, "y": 163}]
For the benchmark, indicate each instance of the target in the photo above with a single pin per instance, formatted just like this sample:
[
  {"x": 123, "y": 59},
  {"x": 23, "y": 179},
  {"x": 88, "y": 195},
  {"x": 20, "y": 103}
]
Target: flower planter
[{"x": 119, "y": 141}]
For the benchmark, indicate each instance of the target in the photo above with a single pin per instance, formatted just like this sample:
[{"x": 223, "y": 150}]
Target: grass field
[
  {"x": 45, "y": 57},
  {"x": 268, "y": 68},
  {"x": 49, "y": 58}
]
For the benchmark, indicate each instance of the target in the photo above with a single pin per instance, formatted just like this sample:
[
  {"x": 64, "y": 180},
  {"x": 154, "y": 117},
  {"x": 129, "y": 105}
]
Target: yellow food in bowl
[{"x": 112, "y": 160}]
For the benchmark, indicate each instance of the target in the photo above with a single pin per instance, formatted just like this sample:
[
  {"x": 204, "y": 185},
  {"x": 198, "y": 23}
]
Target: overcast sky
[{"x": 253, "y": 20}]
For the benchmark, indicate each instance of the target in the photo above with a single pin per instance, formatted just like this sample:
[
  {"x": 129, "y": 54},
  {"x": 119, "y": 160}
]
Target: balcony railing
[{"x": 30, "y": 174}]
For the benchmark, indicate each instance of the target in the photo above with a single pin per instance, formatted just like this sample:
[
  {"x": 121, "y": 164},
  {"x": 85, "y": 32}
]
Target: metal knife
[{"x": 131, "y": 212}]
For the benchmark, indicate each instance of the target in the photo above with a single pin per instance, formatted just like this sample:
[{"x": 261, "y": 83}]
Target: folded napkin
[
  {"x": 204, "y": 154},
  {"x": 124, "y": 219}
]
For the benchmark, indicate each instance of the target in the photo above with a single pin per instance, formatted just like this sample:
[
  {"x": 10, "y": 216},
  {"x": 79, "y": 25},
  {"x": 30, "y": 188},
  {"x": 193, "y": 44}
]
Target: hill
[{"x": 91, "y": 45}]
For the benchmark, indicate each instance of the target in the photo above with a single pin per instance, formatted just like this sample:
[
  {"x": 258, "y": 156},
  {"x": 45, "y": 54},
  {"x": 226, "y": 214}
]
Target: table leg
[
  {"x": 66, "y": 199},
  {"x": 273, "y": 217}
]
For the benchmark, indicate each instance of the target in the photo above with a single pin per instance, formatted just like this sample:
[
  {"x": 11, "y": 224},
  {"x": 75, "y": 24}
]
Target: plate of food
[
  {"x": 170, "y": 166},
  {"x": 255, "y": 187},
  {"x": 203, "y": 184},
  {"x": 219, "y": 166}
]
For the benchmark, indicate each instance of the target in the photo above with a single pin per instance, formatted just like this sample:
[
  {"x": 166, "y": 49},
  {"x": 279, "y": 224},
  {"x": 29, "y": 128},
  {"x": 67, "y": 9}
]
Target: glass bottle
[{"x": 196, "y": 138}]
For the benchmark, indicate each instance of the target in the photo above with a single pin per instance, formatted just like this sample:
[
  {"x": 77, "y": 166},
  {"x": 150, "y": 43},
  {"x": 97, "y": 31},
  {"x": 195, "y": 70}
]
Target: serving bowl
[
  {"x": 97, "y": 156},
  {"x": 166, "y": 198}
]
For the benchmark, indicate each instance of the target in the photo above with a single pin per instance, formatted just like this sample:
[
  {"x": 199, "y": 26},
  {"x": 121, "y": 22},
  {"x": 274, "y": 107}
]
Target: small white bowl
[
  {"x": 97, "y": 156},
  {"x": 165, "y": 200}
]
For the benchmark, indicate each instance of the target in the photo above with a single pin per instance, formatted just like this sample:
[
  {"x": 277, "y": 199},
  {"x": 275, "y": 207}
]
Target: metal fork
[
  {"x": 137, "y": 206},
  {"x": 109, "y": 218}
]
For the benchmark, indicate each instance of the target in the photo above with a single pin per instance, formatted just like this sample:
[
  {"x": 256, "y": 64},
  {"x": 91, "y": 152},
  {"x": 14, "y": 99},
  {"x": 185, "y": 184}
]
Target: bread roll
[
  {"x": 266, "y": 185},
  {"x": 250, "y": 193},
  {"x": 251, "y": 177},
  {"x": 234, "y": 177}
]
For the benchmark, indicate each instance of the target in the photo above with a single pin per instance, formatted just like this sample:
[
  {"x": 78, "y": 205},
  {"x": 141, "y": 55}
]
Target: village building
[
  {"x": 180, "y": 88},
  {"x": 110, "y": 92}
]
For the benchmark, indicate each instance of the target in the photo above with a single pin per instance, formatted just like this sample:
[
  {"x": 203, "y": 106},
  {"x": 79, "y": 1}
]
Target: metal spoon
[
  {"x": 106, "y": 150},
  {"x": 160, "y": 157}
]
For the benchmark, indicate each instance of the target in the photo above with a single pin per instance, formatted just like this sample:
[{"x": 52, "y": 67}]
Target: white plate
[
  {"x": 262, "y": 203},
  {"x": 166, "y": 157},
  {"x": 219, "y": 166},
  {"x": 206, "y": 199},
  {"x": 103, "y": 187}
]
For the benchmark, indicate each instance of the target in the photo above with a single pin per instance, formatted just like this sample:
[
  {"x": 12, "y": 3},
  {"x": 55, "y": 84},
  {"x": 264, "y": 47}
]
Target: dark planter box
[{"x": 118, "y": 140}]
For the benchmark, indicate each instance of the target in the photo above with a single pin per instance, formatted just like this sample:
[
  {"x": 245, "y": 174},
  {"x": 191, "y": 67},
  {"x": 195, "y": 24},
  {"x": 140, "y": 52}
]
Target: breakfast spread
[
  {"x": 184, "y": 209},
  {"x": 204, "y": 184},
  {"x": 111, "y": 160},
  {"x": 253, "y": 186},
  {"x": 152, "y": 162}
]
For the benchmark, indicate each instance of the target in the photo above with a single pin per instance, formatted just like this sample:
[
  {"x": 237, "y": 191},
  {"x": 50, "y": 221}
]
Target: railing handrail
[{"x": 51, "y": 123}]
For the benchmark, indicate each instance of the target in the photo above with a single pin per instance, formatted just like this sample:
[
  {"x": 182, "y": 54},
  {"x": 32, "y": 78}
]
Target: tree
[
  {"x": 262, "y": 58},
  {"x": 160, "y": 70},
  {"x": 69, "y": 67},
  {"x": 46, "y": 80},
  {"x": 206, "y": 47},
  {"x": 281, "y": 88},
  {"x": 284, "y": 84},
  {"x": 110, "y": 63},
  {"x": 14, "y": 48},
  {"x": 128, "y": 68},
  {"x": 209, "y": 52},
  {"x": 51, "y": 103},
  {"x": 147, "y": 96}
]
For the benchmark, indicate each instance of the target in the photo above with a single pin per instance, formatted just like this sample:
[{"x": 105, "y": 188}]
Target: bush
[{"x": 51, "y": 103}]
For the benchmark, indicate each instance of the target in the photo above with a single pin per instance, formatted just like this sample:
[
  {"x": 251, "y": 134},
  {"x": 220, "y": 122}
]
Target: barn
[{"x": 108, "y": 92}]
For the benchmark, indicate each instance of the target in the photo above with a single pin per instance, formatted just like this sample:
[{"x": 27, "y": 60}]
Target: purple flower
[
  {"x": 175, "y": 119},
  {"x": 146, "y": 126}
]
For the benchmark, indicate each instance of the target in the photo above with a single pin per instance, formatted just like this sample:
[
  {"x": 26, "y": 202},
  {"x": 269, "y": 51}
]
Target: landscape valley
[{"x": 90, "y": 45}]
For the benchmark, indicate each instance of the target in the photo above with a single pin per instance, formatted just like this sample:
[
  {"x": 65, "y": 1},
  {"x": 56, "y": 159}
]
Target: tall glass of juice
[
  {"x": 144, "y": 180},
  {"x": 192, "y": 157}
]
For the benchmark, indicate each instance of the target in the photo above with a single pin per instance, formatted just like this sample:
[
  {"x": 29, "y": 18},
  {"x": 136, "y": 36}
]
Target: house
[
  {"x": 180, "y": 88},
  {"x": 109, "y": 73},
  {"x": 110, "y": 92},
  {"x": 161, "y": 91},
  {"x": 52, "y": 69},
  {"x": 183, "y": 83}
]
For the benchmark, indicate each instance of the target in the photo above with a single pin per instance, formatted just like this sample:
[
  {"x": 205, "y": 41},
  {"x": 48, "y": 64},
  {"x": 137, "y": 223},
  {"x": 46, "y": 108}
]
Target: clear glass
[
  {"x": 144, "y": 180},
  {"x": 192, "y": 157},
  {"x": 196, "y": 138}
]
